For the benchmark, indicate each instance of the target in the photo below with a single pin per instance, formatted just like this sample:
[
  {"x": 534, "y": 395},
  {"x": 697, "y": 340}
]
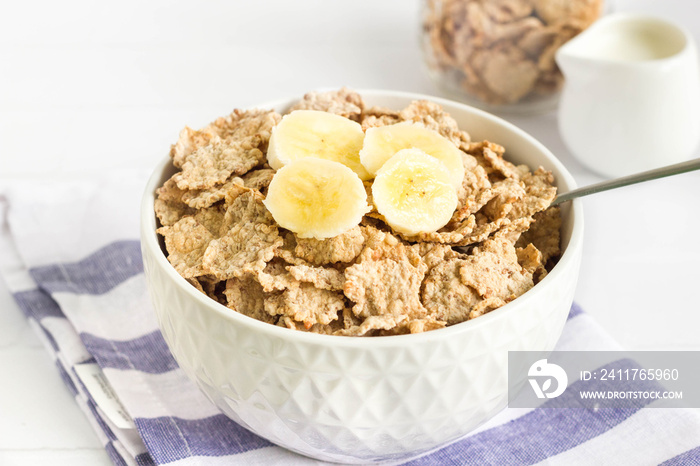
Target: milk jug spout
[{"x": 575, "y": 58}]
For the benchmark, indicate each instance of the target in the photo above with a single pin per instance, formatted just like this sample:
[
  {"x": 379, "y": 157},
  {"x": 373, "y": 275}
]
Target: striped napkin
[{"x": 70, "y": 255}]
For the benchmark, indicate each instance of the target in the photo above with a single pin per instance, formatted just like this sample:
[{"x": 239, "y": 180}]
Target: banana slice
[
  {"x": 382, "y": 142},
  {"x": 316, "y": 198},
  {"x": 414, "y": 192},
  {"x": 311, "y": 133}
]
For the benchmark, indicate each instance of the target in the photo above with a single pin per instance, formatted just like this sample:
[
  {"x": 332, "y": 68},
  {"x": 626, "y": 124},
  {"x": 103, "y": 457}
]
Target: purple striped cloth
[{"x": 72, "y": 261}]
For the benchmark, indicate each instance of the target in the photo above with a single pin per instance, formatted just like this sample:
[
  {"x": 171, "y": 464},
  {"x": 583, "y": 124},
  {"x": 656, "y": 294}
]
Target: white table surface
[{"x": 89, "y": 86}]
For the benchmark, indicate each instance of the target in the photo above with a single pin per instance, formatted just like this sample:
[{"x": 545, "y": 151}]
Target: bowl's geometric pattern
[{"x": 347, "y": 402}]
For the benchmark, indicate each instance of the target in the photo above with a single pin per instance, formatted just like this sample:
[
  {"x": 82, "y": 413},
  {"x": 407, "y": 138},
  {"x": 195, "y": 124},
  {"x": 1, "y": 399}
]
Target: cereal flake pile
[
  {"x": 501, "y": 240},
  {"x": 502, "y": 51}
]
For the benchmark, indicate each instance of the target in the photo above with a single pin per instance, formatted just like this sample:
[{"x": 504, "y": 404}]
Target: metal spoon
[{"x": 654, "y": 174}]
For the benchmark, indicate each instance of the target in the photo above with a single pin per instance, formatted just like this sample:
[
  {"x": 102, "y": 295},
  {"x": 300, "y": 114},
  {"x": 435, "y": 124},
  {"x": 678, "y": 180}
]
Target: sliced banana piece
[
  {"x": 414, "y": 192},
  {"x": 316, "y": 198},
  {"x": 311, "y": 133},
  {"x": 382, "y": 142}
]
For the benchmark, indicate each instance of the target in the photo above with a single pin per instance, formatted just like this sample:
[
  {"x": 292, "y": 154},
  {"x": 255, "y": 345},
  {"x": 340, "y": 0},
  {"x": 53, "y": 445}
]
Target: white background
[{"x": 89, "y": 86}]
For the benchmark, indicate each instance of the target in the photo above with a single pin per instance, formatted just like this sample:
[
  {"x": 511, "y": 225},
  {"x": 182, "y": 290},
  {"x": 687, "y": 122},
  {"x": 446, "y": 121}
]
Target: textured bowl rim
[{"x": 149, "y": 239}]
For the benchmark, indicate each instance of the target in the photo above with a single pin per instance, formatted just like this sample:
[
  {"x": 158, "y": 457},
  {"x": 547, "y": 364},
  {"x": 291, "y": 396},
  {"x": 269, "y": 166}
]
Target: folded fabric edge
[
  {"x": 116, "y": 451},
  {"x": 36, "y": 305}
]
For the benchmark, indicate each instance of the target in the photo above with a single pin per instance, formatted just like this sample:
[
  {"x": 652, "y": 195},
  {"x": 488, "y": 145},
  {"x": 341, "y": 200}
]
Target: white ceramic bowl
[{"x": 360, "y": 400}]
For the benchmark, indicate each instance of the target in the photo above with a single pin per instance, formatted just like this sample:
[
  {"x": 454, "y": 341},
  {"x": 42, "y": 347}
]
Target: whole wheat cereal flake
[
  {"x": 487, "y": 31},
  {"x": 214, "y": 163},
  {"x": 246, "y": 248},
  {"x": 170, "y": 192},
  {"x": 322, "y": 329},
  {"x": 368, "y": 191},
  {"x": 342, "y": 248},
  {"x": 500, "y": 68},
  {"x": 544, "y": 233},
  {"x": 495, "y": 195},
  {"x": 169, "y": 212},
  {"x": 513, "y": 230},
  {"x": 501, "y": 165},
  {"x": 379, "y": 116},
  {"x": 385, "y": 287},
  {"x": 186, "y": 241},
  {"x": 472, "y": 194},
  {"x": 465, "y": 208},
  {"x": 478, "y": 24},
  {"x": 514, "y": 30},
  {"x": 189, "y": 141},
  {"x": 432, "y": 116},
  {"x": 481, "y": 232},
  {"x": 237, "y": 189},
  {"x": 348, "y": 318},
  {"x": 425, "y": 325},
  {"x": 243, "y": 124},
  {"x": 246, "y": 296},
  {"x": 372, "y": 323},
  {"x": 275, "y": 277},
  {"x": 425, "y": 249},
  {"x": 258, "y": 179},
  {"x": 486, "y": 305},
  {"x": 530, "y": 259},
  {"x": 455, "y": 234},
  {"x": 433, "y": 254},
  {"x": 477, "y": 149},
  {"x": 383, "y": 245},
  {"x": 553, "y": 11},
  {"x": 374, "y": 220},
  {"x": 493, "y": 271},
  {"x": 438, "y": 28},
  {"x": 286, "y": 251},
  {"x": 539, "y": 194},
  {"x": 469, "y": 161},
  {"x": 343, "y": 102},
  {"x": 325, "y": 278},
  {"x": 503, "y": 195},
  {"x": 245, "y": 208},
  {"x": 212, "y": 219},
  {"x": 565, "y": 31},
  {"x": 444, "y": 295},
  {"x": 203, "y": 198},
  {"x": 536, "y": 41},
  {"x": 375, "y": 238},
  {"x": 506, "y": 11},
  {"x": 471, "y": 40},
  {"x": 303, "y": 302}
]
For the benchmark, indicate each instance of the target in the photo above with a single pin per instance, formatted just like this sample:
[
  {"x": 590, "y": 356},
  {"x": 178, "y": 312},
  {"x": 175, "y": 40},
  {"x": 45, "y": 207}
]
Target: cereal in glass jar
[{"x": 499, "y": 54}]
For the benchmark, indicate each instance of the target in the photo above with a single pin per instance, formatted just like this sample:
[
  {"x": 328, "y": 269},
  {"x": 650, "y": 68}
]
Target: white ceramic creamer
[{"x": 631, "y": 100}]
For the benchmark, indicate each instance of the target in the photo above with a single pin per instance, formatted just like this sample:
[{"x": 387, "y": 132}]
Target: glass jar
[{"x": 499, "y": 54}]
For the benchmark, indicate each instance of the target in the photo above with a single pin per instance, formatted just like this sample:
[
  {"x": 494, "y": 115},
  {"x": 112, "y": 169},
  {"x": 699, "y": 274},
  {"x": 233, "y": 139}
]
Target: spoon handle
[{"x": 654, "y": 174}]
